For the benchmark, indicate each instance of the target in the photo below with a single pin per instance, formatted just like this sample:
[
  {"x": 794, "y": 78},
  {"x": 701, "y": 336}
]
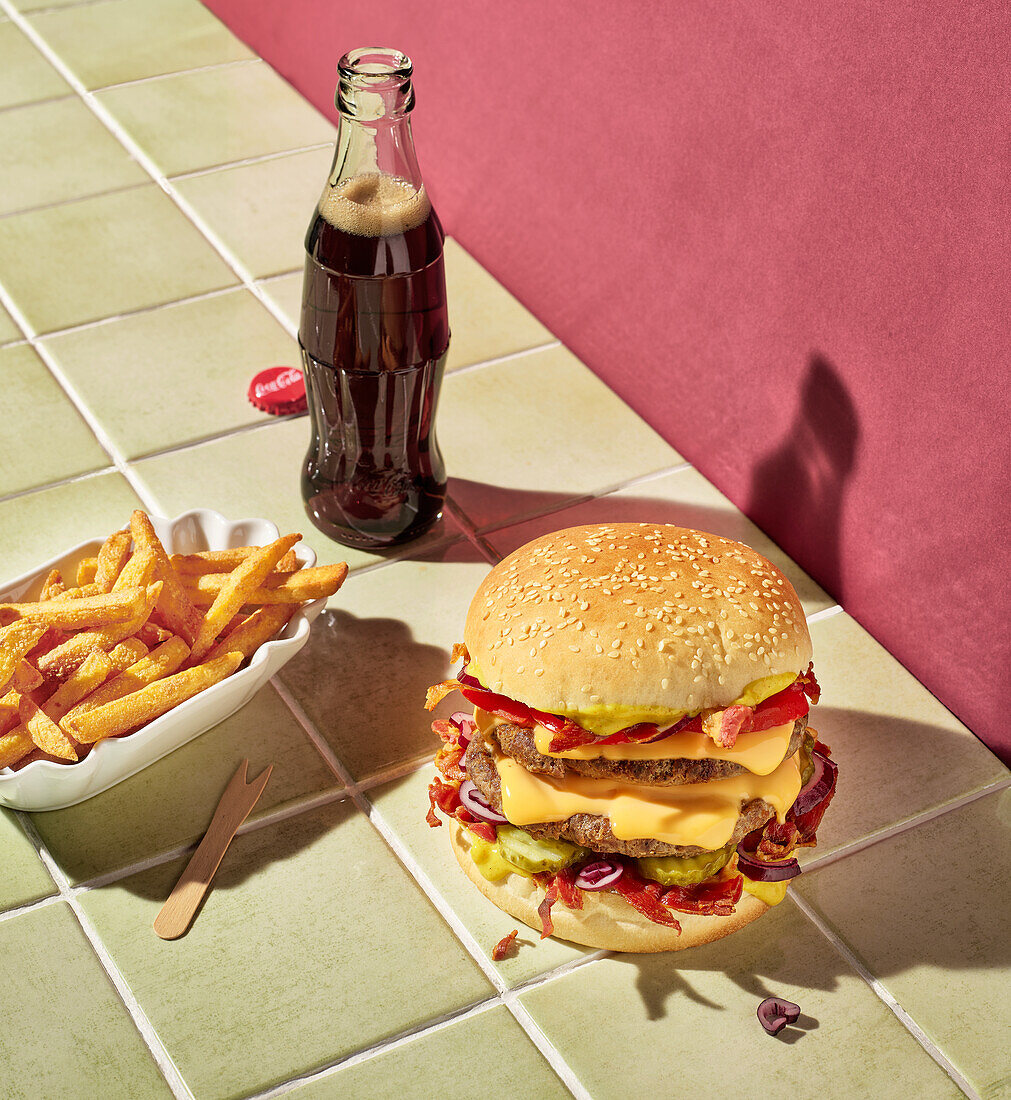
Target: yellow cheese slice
[
  {"x": 701, "y": 814},
  {"x": 760, "y": 752}
]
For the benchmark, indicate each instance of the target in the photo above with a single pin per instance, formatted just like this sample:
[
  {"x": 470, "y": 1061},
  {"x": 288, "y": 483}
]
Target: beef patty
[
  {"x": 592, "y": 830},
  {"x": 519, "y": 744}
]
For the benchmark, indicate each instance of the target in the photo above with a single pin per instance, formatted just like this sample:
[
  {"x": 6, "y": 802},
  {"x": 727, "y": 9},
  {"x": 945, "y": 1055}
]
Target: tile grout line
[
  {"x": 507, "y": 358},
  {"x": 824, "y": 613},
  {"x": 242, "y": 162},
  {"x": 902, "y": 827},
  {"x": 210, "y": 67},
  {"x": 384, "y": 1046},
  {"x": 89, "y": 418},
  {"x": 111, "y": 123},
  {"x": 162, "y": 1058},
  {"x": 30, "y": 907},
  {"x": 435, "y": 897},
  {"x": 59, "y": 483},
  {"x": 882, "y": 992}
]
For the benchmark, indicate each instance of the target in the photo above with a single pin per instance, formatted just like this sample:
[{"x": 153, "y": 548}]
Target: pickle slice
[
  {"x": 684, "y": 870},
  {"x": 534, "y": 856}
]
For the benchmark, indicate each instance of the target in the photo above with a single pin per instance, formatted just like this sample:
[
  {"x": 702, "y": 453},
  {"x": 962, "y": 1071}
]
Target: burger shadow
[{"x": 784, "y": 950}]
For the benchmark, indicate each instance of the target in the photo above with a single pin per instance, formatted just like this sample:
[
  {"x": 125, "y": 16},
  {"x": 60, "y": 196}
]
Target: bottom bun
[{"x": 606, "y": 920}]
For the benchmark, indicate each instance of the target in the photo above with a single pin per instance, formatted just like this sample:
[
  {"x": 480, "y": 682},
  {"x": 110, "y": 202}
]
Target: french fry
[
  {"x": 129, "y": 651},
  {"x": 96, "y": 669},
  {"x": 16, "y": 640},
  {"x": 25, "y": 678},
  {"x": 86, "y": 570},
  {"x": 175, "y": 605},
  {"x": 142, "y": 568},
  {"x": 10, "y": 714},
  {"x": 151, "y": 634},
  {"x": 81, "y": 591},
  {"x": 44, "y": 732},
  {"x": 244, "y": 579},
  {"x": 253, "y": 631},
  {"x": 15, "y": 745},
  {"x": 53, "y": 585},
  {"x": 224, "y": 561},
  {"x": 87, "y": 612},
  {"x": 137, "y": 634},
  {"x": 126, "y": 714},
  {"x": 308, "y": 584},
  {"x": 111, "y": 560},
  {"x": 62, "y": 659},
  {"x": 157, "y": 664}
]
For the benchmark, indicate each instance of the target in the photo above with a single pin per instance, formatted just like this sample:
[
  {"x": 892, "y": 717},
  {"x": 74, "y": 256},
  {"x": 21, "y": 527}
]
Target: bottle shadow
[{"x": 797, "y": 491}]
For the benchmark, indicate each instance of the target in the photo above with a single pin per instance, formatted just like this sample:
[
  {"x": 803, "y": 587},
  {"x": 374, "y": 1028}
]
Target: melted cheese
[
  {"x": 702, "y": 814},
  {"x": 761, "y": 752}
]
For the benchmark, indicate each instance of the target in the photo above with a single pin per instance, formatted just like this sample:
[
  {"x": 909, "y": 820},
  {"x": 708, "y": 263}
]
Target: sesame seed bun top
[{"x": 611, "y": 624}]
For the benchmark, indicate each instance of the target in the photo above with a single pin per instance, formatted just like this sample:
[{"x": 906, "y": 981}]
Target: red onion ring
[
  {"x": 818, "y": 787},
  {"x": 599, "y": 875},
  {"x": 465, "y": 725},
  {"x": 758, "y": 871},
  {"x": 475, "y": 802},
  {"x": 774, "y": 1014}
]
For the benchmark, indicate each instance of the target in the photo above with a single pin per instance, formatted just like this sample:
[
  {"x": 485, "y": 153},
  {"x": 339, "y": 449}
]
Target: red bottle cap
[{"x": 278, "y": 390}]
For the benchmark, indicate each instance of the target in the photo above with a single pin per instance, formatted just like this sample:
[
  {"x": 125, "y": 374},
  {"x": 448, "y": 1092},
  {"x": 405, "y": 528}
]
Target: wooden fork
[{"x": 235, "y": 806}]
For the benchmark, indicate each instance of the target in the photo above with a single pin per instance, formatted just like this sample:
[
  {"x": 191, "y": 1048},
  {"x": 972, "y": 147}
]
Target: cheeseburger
[{"x": 638, "y": 768}]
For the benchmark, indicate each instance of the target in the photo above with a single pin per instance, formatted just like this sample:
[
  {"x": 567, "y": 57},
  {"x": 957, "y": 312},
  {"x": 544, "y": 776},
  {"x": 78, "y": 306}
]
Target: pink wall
[{"x": 779, "y": 231}]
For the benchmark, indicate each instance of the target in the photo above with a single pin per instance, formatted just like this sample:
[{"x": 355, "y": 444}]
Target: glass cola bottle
[{"x": 374, "y": 329}]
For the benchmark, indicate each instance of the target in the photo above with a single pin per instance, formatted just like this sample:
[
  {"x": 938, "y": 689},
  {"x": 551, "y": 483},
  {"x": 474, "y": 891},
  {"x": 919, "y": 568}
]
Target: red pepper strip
[
  {"x": 501, "y": 705},
  {"x": 644, "y": 897},
  {"x": 484, "y": 829},
  {"x": 715, "y": 898},
  {"x": 785, "y": 706}
]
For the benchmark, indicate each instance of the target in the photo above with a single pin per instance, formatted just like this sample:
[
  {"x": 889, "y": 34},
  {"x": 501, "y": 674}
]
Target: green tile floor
[{"x": 152, "y": 205}]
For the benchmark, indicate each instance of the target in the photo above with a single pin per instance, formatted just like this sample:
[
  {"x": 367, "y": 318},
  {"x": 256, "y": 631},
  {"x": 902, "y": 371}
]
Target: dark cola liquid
[{"x": 374, "y": 336}]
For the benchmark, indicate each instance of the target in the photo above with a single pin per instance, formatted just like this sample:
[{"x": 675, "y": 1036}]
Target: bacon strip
[
  {"x": 441, "y": 795},
  {"x": 501, "y": 949},
  {"x": 725, "y": 726},
  {"x": 811, "y": 687},
  {"x": 544, "y": 909},
  {"x": 715, "y": 898},
  {"x": 568, "y": 891},
  {"x": 645, "y": 898},
  {"x": 437, "y": 692},
  {"x": 778, "y": 841}
]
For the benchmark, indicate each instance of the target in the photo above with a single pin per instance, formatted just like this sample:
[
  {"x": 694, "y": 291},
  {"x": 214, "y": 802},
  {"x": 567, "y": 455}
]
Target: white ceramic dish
[{"x": 44, "y": 785}]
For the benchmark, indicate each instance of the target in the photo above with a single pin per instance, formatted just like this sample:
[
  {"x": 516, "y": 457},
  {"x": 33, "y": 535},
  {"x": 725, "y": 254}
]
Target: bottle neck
[
  {"x": 381, "y": 147},
  {"x": 374, "y": 98}
]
